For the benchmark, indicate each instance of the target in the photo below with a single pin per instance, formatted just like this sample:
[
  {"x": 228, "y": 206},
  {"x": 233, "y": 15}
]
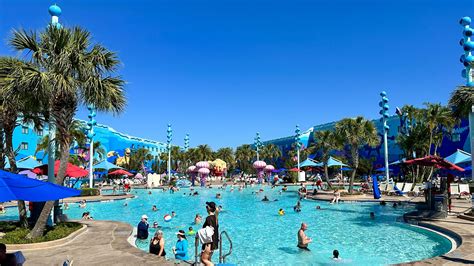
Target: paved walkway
[
  {"x": 102, "y": 243},
  {"x": 86, "y": 198}
]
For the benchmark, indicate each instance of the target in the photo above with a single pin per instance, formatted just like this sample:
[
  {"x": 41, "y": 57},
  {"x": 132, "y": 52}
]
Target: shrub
[
  {"x": 90, "y": 192},
  {"x": 16, "y": 235}
]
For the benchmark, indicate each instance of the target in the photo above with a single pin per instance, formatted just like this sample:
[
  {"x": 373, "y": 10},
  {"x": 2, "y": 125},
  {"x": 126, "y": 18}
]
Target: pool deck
[
  {"x": 86, "y": 198},
  {"x": 102, "y": 243}
]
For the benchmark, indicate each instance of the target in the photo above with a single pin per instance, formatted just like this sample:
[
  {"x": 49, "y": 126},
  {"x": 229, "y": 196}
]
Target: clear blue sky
[{"x": 222, "y": 70}]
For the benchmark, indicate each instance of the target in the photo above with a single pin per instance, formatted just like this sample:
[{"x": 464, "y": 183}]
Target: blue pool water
[{"x": 262, "y": 237}]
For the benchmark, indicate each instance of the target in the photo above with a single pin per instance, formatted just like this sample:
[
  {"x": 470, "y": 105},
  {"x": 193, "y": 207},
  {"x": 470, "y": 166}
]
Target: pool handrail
[{"x": 222, "y": 257}]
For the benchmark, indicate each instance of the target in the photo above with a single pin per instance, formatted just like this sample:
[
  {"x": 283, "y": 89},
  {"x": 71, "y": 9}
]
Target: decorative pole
[
  {"x": 90, "y": 135},
  {"x": 55, "y": 12},
  {"x": 467, "y": 59},
  {"x": 169, "y": 138},
  {"x": 186, "y": 142},
  {"x": 385, "y": 115},
  {"x": 257, "y": 144},
  {"x": 298, "y": 145}
]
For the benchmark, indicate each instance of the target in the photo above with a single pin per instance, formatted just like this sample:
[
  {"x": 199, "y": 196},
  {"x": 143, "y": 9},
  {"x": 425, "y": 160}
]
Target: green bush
[
  {"x": 16, "y": 235},
  {"x": 90, "y": 192}
]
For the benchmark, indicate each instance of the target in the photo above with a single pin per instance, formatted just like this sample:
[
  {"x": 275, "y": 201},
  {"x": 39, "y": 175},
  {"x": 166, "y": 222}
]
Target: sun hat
[
  {"x": 144, "y": 216},
  {"x": 181, "y": 233}
]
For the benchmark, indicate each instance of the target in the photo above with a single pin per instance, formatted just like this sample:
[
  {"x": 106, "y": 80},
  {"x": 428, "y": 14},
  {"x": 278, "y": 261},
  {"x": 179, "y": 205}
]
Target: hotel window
[
  {"x": 39, "y": 132},
  {"x": 24, "y": 130},
  {"x": 456, "y": 137},
  {"x": 24, "y": 146}
]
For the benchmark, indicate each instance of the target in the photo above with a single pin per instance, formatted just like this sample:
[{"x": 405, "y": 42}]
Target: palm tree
[
  {"x": 203, "y": 153},
  {"x": 227, "y": 155},
  {"x": 461, "y": 101},
  {"x": 68, "y": 71},
  {"x": 356, "y": 133},
  {"x": 439, "y": 120},
  {"x": 138, "y": 157},
  {"x": 326, "y": 142},
  {"x": 244, "y": 155},
  {"x": 12, "y": 108},
  {"x": 270, "y": 154}
]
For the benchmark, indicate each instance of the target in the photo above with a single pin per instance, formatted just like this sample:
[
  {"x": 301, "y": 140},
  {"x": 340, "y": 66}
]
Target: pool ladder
[{"x": 221, "y": 256}]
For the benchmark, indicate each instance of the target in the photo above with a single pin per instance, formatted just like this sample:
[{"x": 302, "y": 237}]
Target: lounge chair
[
  {"x": 417, "y": 190},
  {"x": 455, "y": 189},
  {"x": 399, "y": 185},
  {"x": 464, "y": 191},
  {"x": 407, "y": 187}
]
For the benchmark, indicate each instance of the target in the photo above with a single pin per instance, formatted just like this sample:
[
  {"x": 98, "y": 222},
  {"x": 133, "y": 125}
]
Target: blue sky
[{"x": 221, "y": 70}]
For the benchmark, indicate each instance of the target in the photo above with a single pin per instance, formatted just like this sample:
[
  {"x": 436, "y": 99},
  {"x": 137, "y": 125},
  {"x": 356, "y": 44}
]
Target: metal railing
[{"x": 222, "y": 257}]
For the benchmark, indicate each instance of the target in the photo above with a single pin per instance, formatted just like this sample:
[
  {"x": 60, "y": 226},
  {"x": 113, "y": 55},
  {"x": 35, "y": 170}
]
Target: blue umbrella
[
  {"x": 106, "y": 165},
  {"x": 469, "y": 168},
  {"x": 346, "y": 169},
  {"x": 18, "y": 187},
  {"x": 459, "y": 156},
  {"x": 309, "y": 162},
  {"x": 334, "y": 162},
  {"x": 382, "y": 169}
]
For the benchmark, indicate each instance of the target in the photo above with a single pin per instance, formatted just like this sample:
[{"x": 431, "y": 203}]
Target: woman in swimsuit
[
  {"x": 211, "y": 220},
  {"x": 157, "y": 244}
]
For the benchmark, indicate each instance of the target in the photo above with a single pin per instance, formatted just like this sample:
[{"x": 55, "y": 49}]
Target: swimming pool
[{"x": 262, "y": 237}]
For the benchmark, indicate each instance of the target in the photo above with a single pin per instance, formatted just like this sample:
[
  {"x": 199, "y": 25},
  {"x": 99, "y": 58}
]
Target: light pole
[
  {"x": 467, "y": 59},
  {"x": 385, "y": 115},
  {"x": 186, "y": 148},
  {"x": 90, "y": 135},
  {"x": 55, "y": 12},
  {"x": 298, "y": 145},
  {"x": 169, "y": 138},
  {"x": 257, "y": 144}
]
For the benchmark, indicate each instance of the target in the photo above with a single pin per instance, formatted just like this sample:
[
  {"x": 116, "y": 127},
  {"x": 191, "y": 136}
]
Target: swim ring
[{"x": 167, "y": 218}]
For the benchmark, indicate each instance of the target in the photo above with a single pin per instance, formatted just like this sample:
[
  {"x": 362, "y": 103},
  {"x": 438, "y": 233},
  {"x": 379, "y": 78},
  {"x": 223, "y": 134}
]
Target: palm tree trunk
[
  {"x": 11, "y": 157},
  {"x": 2, "y": 147},
  {"x": 326, "y": 174},
  {"x": 355, "y": 158},
  {"x": 63, "y": 118}
]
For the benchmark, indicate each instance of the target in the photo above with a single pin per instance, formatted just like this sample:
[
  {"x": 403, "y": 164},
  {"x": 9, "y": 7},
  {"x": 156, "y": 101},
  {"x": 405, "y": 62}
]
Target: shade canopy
[
  {"x": 294, "y": 170},
  {"x": 27, "y": 162},
  {"x": 71, "y": 170},
  {"x": 310, "y": 163},
  {"x": 382, "y": 169},
  {"x": 120, "y": 172},
  {"x": 346, "y": 169},
  {"x": 334, "y": 162},
  {"x": 106, "y": 166},
  {"x": 435, "y": 161},
  {"x": 18, "y": 187},
  {"x": 459, "y": 156},
  {"x": 469, "y": 168},
  {"x": 398, "y": 162}
]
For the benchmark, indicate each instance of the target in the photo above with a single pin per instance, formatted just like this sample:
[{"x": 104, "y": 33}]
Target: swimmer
[
  {"x": 149, "y": 192},
  {"x": 383, "y": 203},
  {"x": 218, "y": 196},
  {"x": 265, "y": 198},
  {"x": 191, "y": 231},
  {"x": 125, "y": 204},
  {"x": 372, "y": 215},
  {"x": 154, "y": 208},
  {"x": 285, "y": 188},
  {"x": 195, "y": 193},
  {"x": 303, "y": 240},
  {"x": 66, "y": 206},
  {"x": 219, "y": 209},
  {"x": 394, "y": 205},
  {"x": 86, "y": 216},
  {"x": 318, "y": 207},
  {"x": 281, "y": 212},
  {"x": 335, "y": 255},
  {"x": 197, "y": 219},
  {"x": 173, "y": 214},
  {"x": 82, "y": 204},
  {"x": 155, "y": 225},
  {"x": 2, "y": 209}
]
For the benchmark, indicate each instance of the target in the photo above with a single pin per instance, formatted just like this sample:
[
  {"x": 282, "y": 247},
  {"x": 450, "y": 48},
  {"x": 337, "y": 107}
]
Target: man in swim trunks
[{"x": 303, "y": 240}]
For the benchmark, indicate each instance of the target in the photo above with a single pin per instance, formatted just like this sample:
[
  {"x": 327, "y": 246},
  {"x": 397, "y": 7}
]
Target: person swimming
[
  {"x": 394, "y": 205},
  {"x": 372, "y": 215},
  {"x": 155, "y": 225},
  {"x": 197, "y": 219},
  {"x": 335, "y": 255},
  {"x": 82, "y": 204},
  {"x": 154, "y": 208},
  {"x": 281, "y": 212},
  {"x": 191, "y": 231},
  {"x": 303, "y": 240},
  {"x": 265, "y": 198}
]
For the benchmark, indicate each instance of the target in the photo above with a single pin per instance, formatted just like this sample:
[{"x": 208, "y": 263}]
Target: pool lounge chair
[
  {"x": 455, "y": 190},
  {"x": 407, "y": 187},
  {"x": 464, "y": 191},
  {"x": 417, "y": 190},
  {"x": 399, "y": 185}
]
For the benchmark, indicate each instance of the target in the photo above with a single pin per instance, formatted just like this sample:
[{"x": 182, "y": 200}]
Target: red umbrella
[
  {"x": 435, "y": 161},
  {"x": 120, "y": 172},
  {"x": 71, "y": 170},
  {"x": 293, "y": 170}
]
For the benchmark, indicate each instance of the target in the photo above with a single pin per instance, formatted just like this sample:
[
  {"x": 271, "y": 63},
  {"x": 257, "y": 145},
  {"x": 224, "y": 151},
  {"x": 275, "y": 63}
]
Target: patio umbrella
[
  {"x": 311, "y": 163},
  {"x": 293, "y": 170},
  {"x": 398, "y": 162},
  {"x": 106, "y": 166},
  {"x": 435, "y": 161},
  {"x": 459, "y": 156},
  {"x": 382, "y": 169},
  {"x": 346, "y": 169},
  {"x": 71, "y": 170},
  {"x": 120, "y": 172},
  {"x": 27, "y": 163},
  {"x": 334, "y": 162},
  {"x": 18, "y": 187}
]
